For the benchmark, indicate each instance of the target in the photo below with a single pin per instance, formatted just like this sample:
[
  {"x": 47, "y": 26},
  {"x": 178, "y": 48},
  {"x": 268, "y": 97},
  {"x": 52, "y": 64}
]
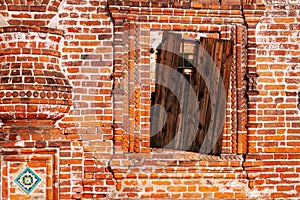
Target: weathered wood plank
[
  {"x": 169, "y": 57},
  {"x": 206, "y": 115},
  {"x": 219, "y": 83},
  {"x": 213, "y": 62}
]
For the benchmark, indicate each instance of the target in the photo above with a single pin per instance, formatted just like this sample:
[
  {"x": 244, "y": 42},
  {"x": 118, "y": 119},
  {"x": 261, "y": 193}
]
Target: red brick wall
[
  {"x": 273, "y": 157},
  {"x": 101, "y": 148},
  {"x": 87, "y": 59},
  {"x": 83, "y": 144}
]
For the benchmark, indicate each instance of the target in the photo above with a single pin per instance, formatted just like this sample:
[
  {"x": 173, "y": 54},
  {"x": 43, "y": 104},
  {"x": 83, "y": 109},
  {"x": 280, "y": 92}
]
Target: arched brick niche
[{"x": 134, "y": 22}]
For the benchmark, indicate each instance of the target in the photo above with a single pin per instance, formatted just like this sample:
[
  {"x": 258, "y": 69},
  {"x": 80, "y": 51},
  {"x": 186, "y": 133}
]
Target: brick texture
[
  {"x": 273, "y": 113},
  {"x": 76, "y": 78}
]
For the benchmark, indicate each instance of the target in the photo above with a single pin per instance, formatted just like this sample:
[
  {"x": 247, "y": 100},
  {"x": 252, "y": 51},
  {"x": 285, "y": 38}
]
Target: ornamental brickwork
[{"x": 76, "y": 82}]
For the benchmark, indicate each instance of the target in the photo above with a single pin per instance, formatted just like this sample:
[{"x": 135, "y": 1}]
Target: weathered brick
[{"x": 101, "y": 125}]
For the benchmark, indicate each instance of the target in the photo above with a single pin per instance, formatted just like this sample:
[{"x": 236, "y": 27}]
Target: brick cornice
[{"x": 143, "y": 12}]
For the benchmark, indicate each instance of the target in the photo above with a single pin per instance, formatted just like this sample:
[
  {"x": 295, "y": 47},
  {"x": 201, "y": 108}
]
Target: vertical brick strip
[
  {"x": 252, "y": 20},
  {"x": 145, "y": 87},
  {"x": 227, "y": 133},
  {"x": 131, "y": 81},
  {"x": 241, "y": 89},
  {"x": 137, "y": 93},
  {"x": 125, "y": 140},
  {"x": 233, "y": 95}
]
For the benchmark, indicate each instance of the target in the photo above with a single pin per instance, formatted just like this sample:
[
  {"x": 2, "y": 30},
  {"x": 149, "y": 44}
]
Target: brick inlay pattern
[
  {"x": 19, "y": 165},
  {"x": 28, "y": 180}
]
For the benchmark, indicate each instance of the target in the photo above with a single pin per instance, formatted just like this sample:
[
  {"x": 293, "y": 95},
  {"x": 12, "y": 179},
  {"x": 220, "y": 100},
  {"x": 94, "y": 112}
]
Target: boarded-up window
[{"x": 188, "y": 73}]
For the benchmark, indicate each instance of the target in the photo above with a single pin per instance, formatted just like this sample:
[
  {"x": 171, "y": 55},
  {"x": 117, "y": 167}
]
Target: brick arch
[
  {"x": 33, "y": 5},
  {"x": 29, "y": 12},
  {"x": 27, "y": 2}
]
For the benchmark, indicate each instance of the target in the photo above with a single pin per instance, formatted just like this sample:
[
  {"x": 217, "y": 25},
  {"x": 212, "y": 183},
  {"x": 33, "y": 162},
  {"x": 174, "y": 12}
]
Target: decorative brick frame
[
  {"x": 132, "y": 124},
  {"x": 133, "y": 159},
  {"x": 132, "y": 90},
  {"x": 33, "y": 158}
]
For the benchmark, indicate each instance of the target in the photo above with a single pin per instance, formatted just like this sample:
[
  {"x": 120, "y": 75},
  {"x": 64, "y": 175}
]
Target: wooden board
[
  {"x": 209, "y": 78},
  {"x": 168, "y": 57}
]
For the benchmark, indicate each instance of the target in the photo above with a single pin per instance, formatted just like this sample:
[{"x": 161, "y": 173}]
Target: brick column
[{"x": 34, "y": 91}]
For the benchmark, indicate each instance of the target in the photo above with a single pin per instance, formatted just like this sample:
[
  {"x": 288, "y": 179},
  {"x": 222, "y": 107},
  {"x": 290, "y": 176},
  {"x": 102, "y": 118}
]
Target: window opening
[{"x": 171, "y": 128}]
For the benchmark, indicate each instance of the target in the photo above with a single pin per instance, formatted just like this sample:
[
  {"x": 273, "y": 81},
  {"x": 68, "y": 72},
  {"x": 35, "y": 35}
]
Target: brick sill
[
  {"x": 192, "y": 156},
  {"x": 168, "y": 163}
]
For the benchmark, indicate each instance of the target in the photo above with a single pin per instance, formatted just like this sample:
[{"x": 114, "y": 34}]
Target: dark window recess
[{"x": 173, "y": 127}]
